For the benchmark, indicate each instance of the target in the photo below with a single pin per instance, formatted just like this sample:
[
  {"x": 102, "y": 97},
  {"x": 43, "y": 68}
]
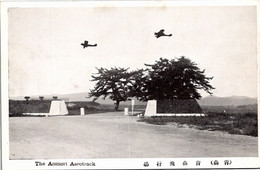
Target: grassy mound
[{"x": 18, "y": 107}]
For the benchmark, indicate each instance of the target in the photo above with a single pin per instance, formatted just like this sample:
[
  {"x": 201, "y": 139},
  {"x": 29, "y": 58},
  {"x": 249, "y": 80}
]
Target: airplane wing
[{"x": 161, "y": 32}]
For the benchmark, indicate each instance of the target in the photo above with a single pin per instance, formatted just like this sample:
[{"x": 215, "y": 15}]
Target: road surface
[{"x": 113, "y": 135}]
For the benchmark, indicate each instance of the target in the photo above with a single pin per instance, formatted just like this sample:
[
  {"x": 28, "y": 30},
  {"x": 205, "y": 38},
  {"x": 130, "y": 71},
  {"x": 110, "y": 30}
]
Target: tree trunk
[{"x": 117, "y": 105}]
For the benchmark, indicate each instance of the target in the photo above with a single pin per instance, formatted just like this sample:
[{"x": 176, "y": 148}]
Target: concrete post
[
  {"x": 133, "y": 103},
  {"x": 82, "y": 111},
  {"x": 126, "y": 111}
]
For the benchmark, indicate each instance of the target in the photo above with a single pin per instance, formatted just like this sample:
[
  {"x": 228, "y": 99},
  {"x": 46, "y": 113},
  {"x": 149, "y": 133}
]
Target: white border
[
  {"x": 241, "y": 162},
  {"x": 129, "y": 3}
]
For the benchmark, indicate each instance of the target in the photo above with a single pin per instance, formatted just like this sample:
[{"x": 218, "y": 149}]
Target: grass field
[
  {"x": 241, "y": 109},
  {"x": 242, "y": 124}
]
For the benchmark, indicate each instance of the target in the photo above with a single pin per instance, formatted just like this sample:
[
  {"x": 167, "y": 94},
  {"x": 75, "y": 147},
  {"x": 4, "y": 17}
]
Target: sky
[{"x": 45, "y": 55}]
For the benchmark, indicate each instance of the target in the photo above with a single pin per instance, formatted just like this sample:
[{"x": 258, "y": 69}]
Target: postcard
[{"x": 130, "y": 84}]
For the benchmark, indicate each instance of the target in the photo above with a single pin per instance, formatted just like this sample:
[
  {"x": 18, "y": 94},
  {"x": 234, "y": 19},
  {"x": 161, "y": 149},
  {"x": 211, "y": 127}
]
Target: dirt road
[{"x": 113, "y": 135}]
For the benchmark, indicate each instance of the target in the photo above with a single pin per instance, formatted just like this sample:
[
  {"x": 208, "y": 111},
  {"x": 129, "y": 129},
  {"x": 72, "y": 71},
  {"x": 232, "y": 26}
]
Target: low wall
[
  {"x": 152, "y": 109},
  {"x": 178, "y": 106}
]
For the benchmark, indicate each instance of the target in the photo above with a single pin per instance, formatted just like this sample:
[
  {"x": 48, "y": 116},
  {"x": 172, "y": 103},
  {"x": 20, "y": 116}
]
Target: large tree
[
  {"x": 173, "y": 79},
  {"x": 115, "y": 83}
]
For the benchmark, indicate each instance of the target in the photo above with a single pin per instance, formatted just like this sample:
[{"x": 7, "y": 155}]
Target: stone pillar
[
  {"x": 82, "y": 111},
  {"x": 126, "y": 111},
  {"x": 151, "y": 108},
  {"x": 58, "y": 108}
]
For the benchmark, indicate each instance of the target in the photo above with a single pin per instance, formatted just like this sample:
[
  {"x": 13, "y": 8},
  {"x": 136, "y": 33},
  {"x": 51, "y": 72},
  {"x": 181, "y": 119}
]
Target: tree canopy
[
  {"x": 174, "y": 79},
  {"x": 115, "y": 83},
  {"x": 178, "y": 78}
]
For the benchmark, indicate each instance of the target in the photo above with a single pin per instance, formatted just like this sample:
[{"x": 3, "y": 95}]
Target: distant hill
[
  {"x": 78, "y": 97},
  {"x": 206, "y": 101},
  {"x": 227, "y": 101}
]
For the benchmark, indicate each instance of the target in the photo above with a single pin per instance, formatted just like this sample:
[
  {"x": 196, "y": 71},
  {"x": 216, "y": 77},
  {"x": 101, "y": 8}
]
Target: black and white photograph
[{"x": 168, "y": 85}]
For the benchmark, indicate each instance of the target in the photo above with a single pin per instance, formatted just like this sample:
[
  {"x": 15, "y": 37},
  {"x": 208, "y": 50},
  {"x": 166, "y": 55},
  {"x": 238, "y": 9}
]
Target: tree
[
  {"x": 27, "y": 98},
  {"x": 137, "y": 80},
  {"x": 41, "y": 98},
  {"x": 115, "y": 83},
  {"x": 174, "y": 79}
]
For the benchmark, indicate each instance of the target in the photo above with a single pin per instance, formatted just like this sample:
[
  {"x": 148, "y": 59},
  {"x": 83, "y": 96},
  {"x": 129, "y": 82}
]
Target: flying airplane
[
  {"x": 161, "y": 33},
  {"x": 86, "y": 44}
]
